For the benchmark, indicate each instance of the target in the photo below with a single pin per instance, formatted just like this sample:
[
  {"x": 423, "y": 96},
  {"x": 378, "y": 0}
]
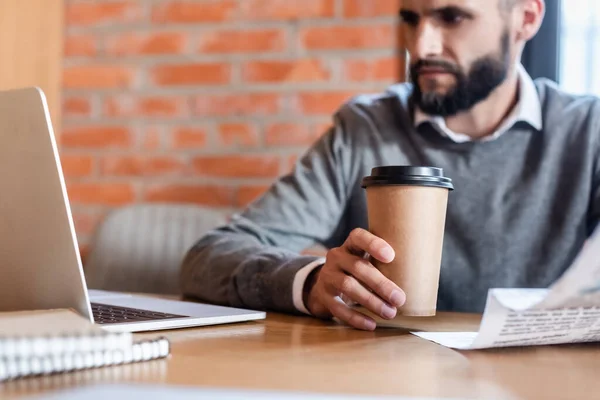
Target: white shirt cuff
[{"x": 298, "y": 284}]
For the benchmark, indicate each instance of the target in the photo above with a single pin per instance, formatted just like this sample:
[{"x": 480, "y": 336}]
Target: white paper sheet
[{"x": 567, "y": 312}]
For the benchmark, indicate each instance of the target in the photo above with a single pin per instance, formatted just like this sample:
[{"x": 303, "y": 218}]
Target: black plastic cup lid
[{"x": 408, "y": 175}]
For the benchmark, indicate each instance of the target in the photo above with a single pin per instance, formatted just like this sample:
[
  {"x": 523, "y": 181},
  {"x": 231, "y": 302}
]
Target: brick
[
  {"x": 151, "y": 139},
  {"x": 97, "y": 77},
  {"x": 290, "y": 134},
  {"x": 349, "y": 37},
  {"x": 100, "y": 137},
  {"x": 163, "y": 106},
  {"x": 371, "y": 8},
  {"x": 286, "y": 9},
  {"x": 80, "y": 45},
  {"x": 311, "y": 103},
  {"x": 110, "y": 194},
  {"x": 192, "y": 12},
  {"x": 86, "y": 222},
  {"x": 119, "y": 106},
  {"x": 189, "y": 138},
  {"x": 126, "y": 106},
  {"x": 229, "y": 105},
  {"x": 207, "y": 195},
  {"x": 238, "y": 135},
  {"x": 237, "y": 166},
  {"x": 247, "y": 194},
  {"x": 146, "y": 44},
  {"x": 191, "y": 74},
  {"x": 242, "y": 41},
  {"x": 102, "y": 13},
  {"x": 76, "y": 166},
  {"x": 284, "y": 71},
  {"x": 77, "y": 107},
  {"x": 383, "y": 69},
  {"x": 141, "y": 166}
]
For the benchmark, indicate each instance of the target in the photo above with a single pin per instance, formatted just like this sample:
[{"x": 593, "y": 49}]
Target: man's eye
[
  {"x": 451, "y": 18},
  {"x": 409, "y": 19}
]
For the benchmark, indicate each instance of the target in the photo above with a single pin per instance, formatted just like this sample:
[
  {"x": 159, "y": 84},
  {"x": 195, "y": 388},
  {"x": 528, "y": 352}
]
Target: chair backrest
[{"x": 139, "y": 248}]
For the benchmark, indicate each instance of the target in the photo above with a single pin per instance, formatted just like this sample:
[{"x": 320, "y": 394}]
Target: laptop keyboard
[{"x": 105, "y": 314}]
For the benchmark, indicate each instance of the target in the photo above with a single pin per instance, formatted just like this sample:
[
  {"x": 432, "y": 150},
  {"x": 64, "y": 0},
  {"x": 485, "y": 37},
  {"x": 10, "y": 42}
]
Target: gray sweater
[{"x": 522, "y": 207}]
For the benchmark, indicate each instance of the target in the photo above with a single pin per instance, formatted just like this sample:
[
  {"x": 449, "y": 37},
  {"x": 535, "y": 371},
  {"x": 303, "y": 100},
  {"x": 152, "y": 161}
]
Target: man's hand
[{"x": 347, "y": 273}]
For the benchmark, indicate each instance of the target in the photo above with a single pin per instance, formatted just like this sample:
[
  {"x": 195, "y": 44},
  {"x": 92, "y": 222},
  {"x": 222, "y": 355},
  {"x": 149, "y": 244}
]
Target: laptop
[{"x": 40, "y": 264}]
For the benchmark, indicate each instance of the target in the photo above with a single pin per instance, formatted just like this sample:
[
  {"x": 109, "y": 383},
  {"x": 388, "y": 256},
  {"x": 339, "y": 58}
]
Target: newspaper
[{"x": 567, "y": 312}]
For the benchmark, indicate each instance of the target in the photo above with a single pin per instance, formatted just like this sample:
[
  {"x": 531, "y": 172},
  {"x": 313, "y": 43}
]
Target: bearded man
[{"x": 523, "y": 155}]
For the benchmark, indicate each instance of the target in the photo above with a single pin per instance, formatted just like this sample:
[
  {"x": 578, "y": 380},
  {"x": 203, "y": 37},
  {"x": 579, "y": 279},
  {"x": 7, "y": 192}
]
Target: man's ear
[{"x": 531, "y": 13}]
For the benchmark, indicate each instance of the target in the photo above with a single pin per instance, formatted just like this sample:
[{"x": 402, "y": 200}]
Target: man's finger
[
  {"x": 373, "y": 279},
  {"x": 361, "y": 240},
  {"x": 349, "y": 316},
  {"x": 351, "y": 288}
]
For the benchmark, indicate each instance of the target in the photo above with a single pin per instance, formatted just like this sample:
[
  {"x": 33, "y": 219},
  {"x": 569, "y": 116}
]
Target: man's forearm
[{"x": 235, "y": 268}]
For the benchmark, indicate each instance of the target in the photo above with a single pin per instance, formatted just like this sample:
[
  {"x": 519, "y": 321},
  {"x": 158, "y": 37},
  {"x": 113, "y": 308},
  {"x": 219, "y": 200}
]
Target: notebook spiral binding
[
  {"x": 27, "y": 346},
  {"x": 25, "y": 357}
]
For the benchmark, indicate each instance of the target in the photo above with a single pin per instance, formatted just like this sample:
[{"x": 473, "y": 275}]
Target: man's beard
[{"x": 485, "y": 75}]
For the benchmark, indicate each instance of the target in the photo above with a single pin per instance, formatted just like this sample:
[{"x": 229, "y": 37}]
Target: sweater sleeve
[
  {"x": 595, "y": 206},
  {"x": 252, "y": 261},
  {"x": 595, "y": 214}
]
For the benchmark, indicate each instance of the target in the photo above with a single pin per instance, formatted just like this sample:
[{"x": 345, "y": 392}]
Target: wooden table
[{"x": 304, "y": 354}]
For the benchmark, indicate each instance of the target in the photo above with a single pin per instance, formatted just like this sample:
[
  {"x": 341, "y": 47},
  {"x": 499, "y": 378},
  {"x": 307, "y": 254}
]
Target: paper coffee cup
[{"x": 407, "y": 208}]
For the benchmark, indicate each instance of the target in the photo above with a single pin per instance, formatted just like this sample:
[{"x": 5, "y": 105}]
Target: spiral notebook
[{"x": 53, "y": 341}]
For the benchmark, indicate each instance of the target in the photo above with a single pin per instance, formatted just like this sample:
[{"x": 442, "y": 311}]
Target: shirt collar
[{"x": 528, "y": 109}]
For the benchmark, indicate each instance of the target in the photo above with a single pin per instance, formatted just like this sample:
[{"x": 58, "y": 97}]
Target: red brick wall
[{"x": 208, "y": 101}]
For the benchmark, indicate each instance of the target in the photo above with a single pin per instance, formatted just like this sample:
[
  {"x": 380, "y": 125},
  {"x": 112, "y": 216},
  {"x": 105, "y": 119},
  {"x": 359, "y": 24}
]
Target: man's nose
[{"x": 428, "y": 42}]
